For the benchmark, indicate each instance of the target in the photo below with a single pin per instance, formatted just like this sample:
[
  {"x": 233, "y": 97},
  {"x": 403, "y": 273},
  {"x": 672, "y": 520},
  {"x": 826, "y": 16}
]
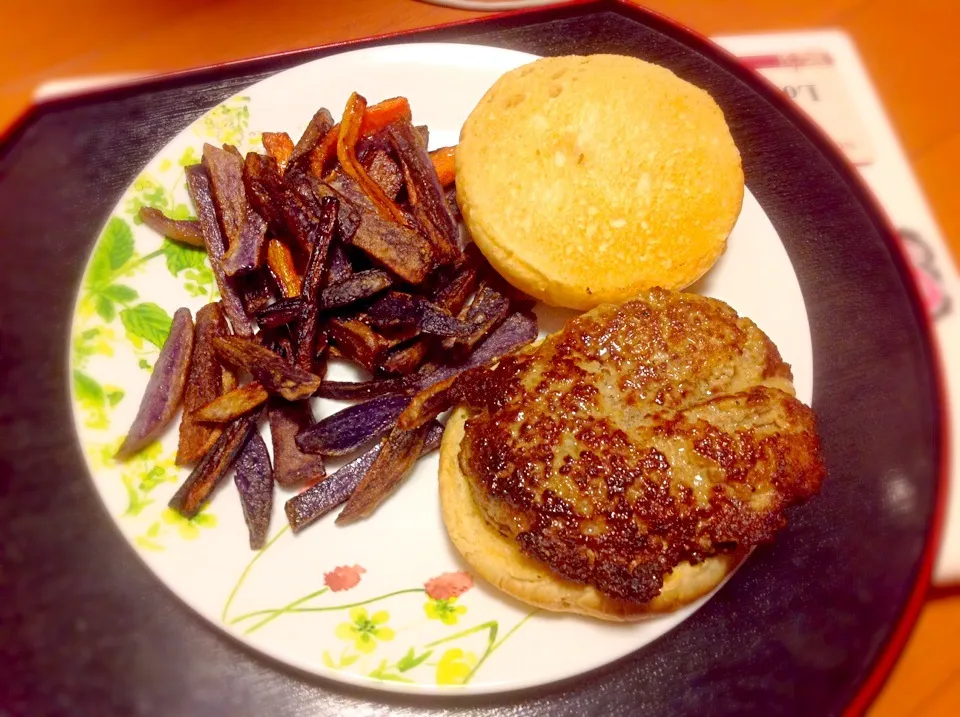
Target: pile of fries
[{"x": 344, "y": 245}]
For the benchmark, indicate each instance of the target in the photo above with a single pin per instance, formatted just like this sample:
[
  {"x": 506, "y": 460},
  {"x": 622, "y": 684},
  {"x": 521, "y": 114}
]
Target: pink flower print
[
  {"x": 343, "y": 577},
  {"x": 448, "y": 585}
]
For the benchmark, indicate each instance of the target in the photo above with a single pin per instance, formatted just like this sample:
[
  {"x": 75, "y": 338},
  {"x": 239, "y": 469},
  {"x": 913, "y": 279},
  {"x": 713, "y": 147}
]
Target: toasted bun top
[{"x": 586, "y": 180}]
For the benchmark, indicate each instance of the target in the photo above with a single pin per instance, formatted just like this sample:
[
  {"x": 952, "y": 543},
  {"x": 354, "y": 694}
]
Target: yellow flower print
[
  {"x": 225, "y": 123},
  {"x": 446, "y": 611},
  {"x": 455, "y": 666},
  {"x": 364, "y": 630}
]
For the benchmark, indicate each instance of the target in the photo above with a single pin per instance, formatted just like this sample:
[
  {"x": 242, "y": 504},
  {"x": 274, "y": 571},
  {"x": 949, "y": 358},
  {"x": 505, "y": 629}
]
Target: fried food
[
  {"x": 164, "y": 392},
  {"x": 206, "y": 380},
  {"x": 631, "y": 459}
]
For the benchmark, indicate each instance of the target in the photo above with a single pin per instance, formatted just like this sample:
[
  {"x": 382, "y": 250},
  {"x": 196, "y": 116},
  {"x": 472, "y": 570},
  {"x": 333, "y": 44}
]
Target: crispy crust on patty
[
  {"x": 640, "y": 438},
  {"x": 498, "y": 559}
]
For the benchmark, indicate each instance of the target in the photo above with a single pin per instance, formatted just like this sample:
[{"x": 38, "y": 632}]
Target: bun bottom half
[{"x": 499, "y": 561}]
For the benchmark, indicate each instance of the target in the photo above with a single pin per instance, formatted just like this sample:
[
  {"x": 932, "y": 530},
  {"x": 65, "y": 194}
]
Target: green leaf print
[
  {"x": 136, "y": 501},
  {"x": 188, "y": 157},
  {"x": 192, "y": 262},
  {"x": 141, "y": 476},
  {"x": 382, "y": 673},
  {"x": 92, "y": 399},
  {"x": 205, "y": 520},
  {"x": 154, "y": 477},
  {"x": 120, "y": 293},
  {"x": 147, "y": 321},
  {"x": 346, "y": 659},
  {"x": 147, "y": 191},
  {"x": 114, "y": 249},
  {"x": 144, "y": 542},
  {"x": 409, "y": 661},
  {"x": 189, "y": 528},
  {"x": 201, "y": 282},
  {"x": 87, "y": 389},
  {"x": 92, "y": 342},
  {"x": 180, "y": 256},
  {"x": 105, "y": 308},
  {"x": 114, "y": 395}
]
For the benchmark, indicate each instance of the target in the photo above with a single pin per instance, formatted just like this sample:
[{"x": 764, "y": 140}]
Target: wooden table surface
[{"x": 910, "y": 50}]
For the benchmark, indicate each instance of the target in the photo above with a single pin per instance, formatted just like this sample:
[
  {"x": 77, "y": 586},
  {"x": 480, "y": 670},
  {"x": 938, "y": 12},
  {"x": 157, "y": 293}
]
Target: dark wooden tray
[{"x": 810, "y": 626}]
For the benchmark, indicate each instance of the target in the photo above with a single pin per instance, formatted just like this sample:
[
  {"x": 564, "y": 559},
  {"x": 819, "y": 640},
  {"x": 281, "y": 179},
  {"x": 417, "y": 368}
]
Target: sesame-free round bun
[
  {"x": 588, "y": 179},
  {"x": 498, "y": 560}
]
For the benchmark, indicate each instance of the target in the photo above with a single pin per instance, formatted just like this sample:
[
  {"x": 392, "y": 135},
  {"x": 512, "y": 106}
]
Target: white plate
[{"x": 385, "y": 631}]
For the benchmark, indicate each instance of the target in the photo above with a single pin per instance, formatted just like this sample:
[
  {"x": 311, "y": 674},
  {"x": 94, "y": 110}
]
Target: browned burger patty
[{"x": 638, "y": 438}]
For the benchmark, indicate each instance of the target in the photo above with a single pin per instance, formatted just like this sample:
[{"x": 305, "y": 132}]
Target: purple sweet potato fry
[
  {"x": 205, "y": 382},
  {"x": 225, "y": 170},
  {"x": 397, "y": 248},
  {"x": 364, "y": 390},
  {"x": 485, "y": 312},
  {"x": 517, "y": 331},
  {"x": 361, "y": 285},
  {"x": 198, "y": 185},
  {"x": 434, "y": 400},
  {"x": 424, "y": 192},
  {"x": 164, "y": 389},
  {"x": 271, "y": 370},
  {"x": 453, "y": 293},
  {"x": 357, "y": 341},
  {"x": 280, "y": 313},
  {"x": 396, "y": 308},
  {"x": 213, "y": 467},
  {"x": 385, "y": 172},
  {"x": 320, "y": 499},
  {"x": 405, "y": 359},
  {"x": 398, "y": 452},
  {"x": 352, "y": 427},
  {"x": 291, "y": 465},
  {"x": 254, "y": 481},
  {"x": 256, "y": 290},
  {"x": 311, "y": 189},
  {"x": 320, "y": 124},
  {"x": 182, "y": 230},
  {"x": 261, "y": 179},
  {"x": 246, "y": 254},
  {"x": 340, "y": 266},
  {"x": 313, "y": 280}
]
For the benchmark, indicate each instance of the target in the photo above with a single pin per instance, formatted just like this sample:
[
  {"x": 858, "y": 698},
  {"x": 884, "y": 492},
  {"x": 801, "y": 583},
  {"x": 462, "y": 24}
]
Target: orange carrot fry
[
  {"x": 375, "y": 118},
  {"x": 444, "y": 162},
  {"x": 350, "y": 127},
  {"x": 279, "y": 146},
  {"x": 280, "y": 262}
]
